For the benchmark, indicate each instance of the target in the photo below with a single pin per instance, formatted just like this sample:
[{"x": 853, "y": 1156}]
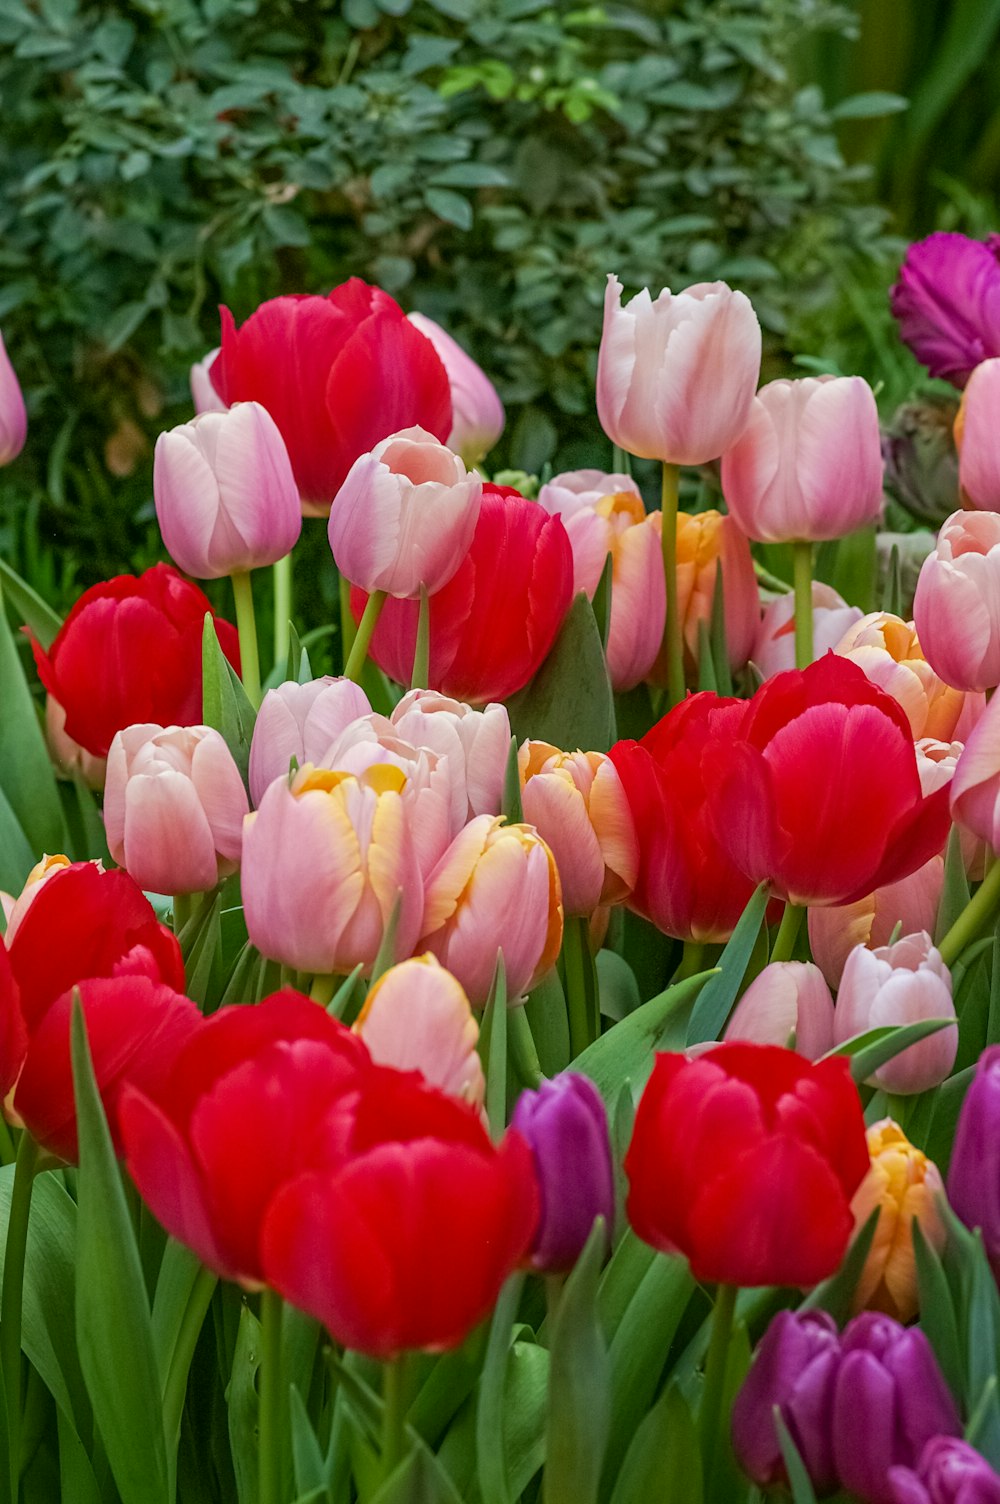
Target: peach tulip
[
  {"x": 900, "y": 984},
  {"x": 913, "y": 903},
  {"x": 704, "y": 540},
  {"x": 975, "y": 787},
  {"x": 576, "y": 802},
  {"x": 905, "y": 1186},
  {"x": 888, "y": 650},
  {"x": 956, "y": 608},
  {"x": 418, "y": 1018}
]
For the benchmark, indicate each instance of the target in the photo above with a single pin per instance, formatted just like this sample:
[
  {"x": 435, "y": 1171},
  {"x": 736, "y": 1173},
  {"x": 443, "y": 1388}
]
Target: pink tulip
[
  {"x": 575, "y": 497},
  {"x": 418, "y": 1018},
  {"x": 405, "y": 516},
  {"x": 900, "y": 984},
  {"x": 956, "y": 608},
  {"x": 978, "y": 438},
  {"x": 975, "y": 787},
  {"x": 576, "y": 802},
  {"x": 936, "y": 764},
  {"x": 475, "y": 742},
  {"x": 203, "y": 394},
  {"x": 495, "y": 889},
  {"x": 13, "y": 417},
  {"x": 226, "y": 498},
  {"x": 888, "y": 650},
  {"x": 325, "y": 858},
  {"x": 300, "y": 721},
  {"x": 774, "y": 644},
  {"x": 676, "y": 377},
  {"x": 477, "y": 415},
  {"x": 174, "y": 804},
  {"x": 788, "y": 998},
  {"x": 913, "y": 903},
  {"x": 808, "y": 464}
]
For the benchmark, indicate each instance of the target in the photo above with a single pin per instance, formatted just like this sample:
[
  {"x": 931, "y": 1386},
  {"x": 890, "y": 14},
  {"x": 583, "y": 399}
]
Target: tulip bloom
[
  {"x": 947, "y": 303},
  {"x": 975, "y": 787},
  {"x": 816, "y": 788},
  {"x": 808, "y": 464},
  {"x": 836, "y": 929},
  {"x": 565, "y": 1125},
  {"x": 226, "y": 498},
  {"x": 686, "y": 884},
  {"x": 676, "y": 376},
  {"x": 904, "y": 1185},
  {"x": 948, "y": 1471},
  {"x": 956, "y": 608},
  {"x": 794, "y": 1368},
  {"x": 888, "y": 650},
  {"x": 745, "y": 1161},
  {"x": 300, "y": 721},
  {"x": 71, "y": 760},
  {"x": 495, "y": 889},
  {"x": 405, "y": 515},
  {"x": 788, "y": 999},
  {"x": 173, "y": 807},
  {"x": 576, "y": 802},
  {"x": 976, "y": 438},
  {"x": 974, "y": 1169},
  {"x": 477, "y": 415},
  {"x": 439, "y": 1218},
  {"x": 13, "y": 416},
  {"x": 203, "y": 394},
  {"x": 130, "y": 650},
  {"x": 336, "y": 374},
  {"x": 575, "y": 496},
  {"x": 493, "y": 624},
  {"x": 475, "y": 742},
  {"x": 774, "y": 644},
  {"x": 900, "y": 984},
  {"x": 418, "y": 1018},
  {"x": 704, "y": 541}
]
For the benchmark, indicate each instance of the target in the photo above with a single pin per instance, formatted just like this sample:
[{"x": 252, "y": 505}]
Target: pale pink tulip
[
  {"x": 300, "y": 721},
  {"x": 477, "y": 415},
  {"x": 203, "y": 394},
  {"x": 774, "y": 644},
  {"x": 957, "y": 603},
  {"x": 788, "y": 999},
  {"x": 900, "y": 984},
  {"x": 13, "y": 416},
  {"x": 977, "y": 436},
  {"x": 418, "y": 1018},
  {"x": 975, "y": 788},
  {"x": 575, "y": 496},
  {"x": 913, "y": 904},
  {"x": 174, "y": 804},
  {"x": 475, "y": 742},
  {"x": 576, "y": 802},
  {"x": 676, "y": 376},
  {"x": 888, "y": 650}
]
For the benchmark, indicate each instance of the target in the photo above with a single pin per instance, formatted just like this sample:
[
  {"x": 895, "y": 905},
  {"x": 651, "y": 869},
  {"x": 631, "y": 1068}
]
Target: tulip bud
[
  {"x": 477, "y": 415},
  {"x": 949, "y": 1471},
  {"x": 794, "y": 1370},
  {"x": 913, "y": 902},
  {"x": 325, "y": 859},
  {"x": 566, "y": 1128},
  {"x": 417, "y": 1018},
  {"x": 226, "y": 498},
  {"x": 977, "y": 440},
  {"x": 947, "y": 303},
  {"x": 300, "y": 721},
  {"x": 495, "y": 889},
  {"x": 974, "y": 1169},
  {"x": 703, "y": 541},
  {"x": 676, "y": 377},
  {"x": 576, "y": 802},
  {"x": 405, "y": 516},
  {"x": 900, "y": 984},
  {"x": 774, "y": 645},
  {"x": 808, "y": 464},
  {"x": 975, "y": 787},
  {"x": 956, "y": 608},
  {"x": 475, "y": 742},
  {"x": 70, "y": 758},
  {"x": 203, "y": 394},
  {"x": 788, "y": 1000},
  {"x": 13, "y": 417},
  {"x": 174, "y": 804},
  {"x": 888, "y": 650},
  {"x": 904, "y": 1184},
  {"x": 921, "y": 463}
]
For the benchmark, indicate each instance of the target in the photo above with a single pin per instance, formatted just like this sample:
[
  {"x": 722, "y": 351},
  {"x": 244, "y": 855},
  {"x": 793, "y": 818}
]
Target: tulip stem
[
  {"x": 395, "y": 1402},
  {"x": 976, "y": 915},
  {"x": 183, "y": 909},
  {"x": 348, "y": 630},
  {"x": 422, "y": 653},
  {"x": 582, "y": 1002},
  {"x": 692, "y": 961},
  {"x": 710, "y": 1410},
  {"x": 12, "y": 1298},
  {"x": 8, "y": 1151},
  {"x": 366, "y": 626},
  {"x": 246, "y": 626},
  {"x": 270, "y": 1406},
  {"x": 324, "y": 985},
  {"x": 802, "y": 563},
  {"x": 672, "y": 644},
  {"x": 788, "y": 932},
  {"x": 282, "y": 610}
]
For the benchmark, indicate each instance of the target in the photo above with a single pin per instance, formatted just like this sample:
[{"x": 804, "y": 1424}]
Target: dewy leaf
[
  {"x": 579, "y": 1385},
  {"x": 569, "y": 701},
  {"x": 225, "y": 705}
]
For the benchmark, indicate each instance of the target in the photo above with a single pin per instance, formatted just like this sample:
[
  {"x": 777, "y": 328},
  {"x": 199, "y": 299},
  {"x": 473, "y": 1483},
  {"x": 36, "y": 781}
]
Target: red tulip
[
  {"x": 257, "y": 1097},
  {"x": 337, "y": 374},
  {"x": 687, "y": 885},
  {"x": 745, "y": 1161},
  {"x": 815, "y": 787},
  {"x": 130, "y": 650},
  {"x": 406, "y": 1241},
  {"x": 493, "y": 624},
  {"x": 13, "y": 1030}
]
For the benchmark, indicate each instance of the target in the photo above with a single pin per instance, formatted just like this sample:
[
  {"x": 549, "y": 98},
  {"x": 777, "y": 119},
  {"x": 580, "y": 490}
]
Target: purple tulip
[
  {"x": 947, "y": 303},
  {"x": 566, "y": 1128},
  {"x": 795, "y": 1368},
  {"x": 974, "y": 1173},
  {"x": 949, "y": 1472}
]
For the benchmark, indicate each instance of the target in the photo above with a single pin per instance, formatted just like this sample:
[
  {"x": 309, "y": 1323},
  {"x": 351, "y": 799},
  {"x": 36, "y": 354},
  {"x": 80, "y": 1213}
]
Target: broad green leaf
[
  {"x": 224, "y": 700},
  {"x": 386, "y": 955},
  {"x": 937, "y": 1312},
  {"x": 717, "y": 997},
  {"x": 307, "y": 1457},
  {"x": 26, "y": 774},
  {"x": 546, "y": 1014},
  {"x": 241, "y": 1398},
  {"x": 619, "y": 990},
  {"x": 491, "y": 1458},
  {"x": 419, "y": 1479},
  {"x": 625, "y": 1053},
  {"x": 569, "y": 701},
  {"x": 17, "y": 855},
  {"x": 602, "y": 601},
  {"x": 579, "y": 1385},
  {"x": 37, "y": 615},
  {"x": 663, "y": 1461},
  {"x": 511, "y": 806}
]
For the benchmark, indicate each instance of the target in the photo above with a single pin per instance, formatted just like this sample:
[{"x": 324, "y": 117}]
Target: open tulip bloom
[{"x": 536, "y": 1041}]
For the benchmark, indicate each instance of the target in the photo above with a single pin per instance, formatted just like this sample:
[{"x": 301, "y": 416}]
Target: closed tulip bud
[
  {"x": 774, "y": 644},
  {"x": 495, "y": 889},
  {"x": 13, "y": 417},
  {"x": 226, "y": 498},
  {"x": 975, "y": 787},
  {"x": 947, "y": 303},
  {"x": 475, "y": 742},
  {"x": 70, "y": 758},
  {"x": 793, "y": 1370},
  {"x": 789, "y": 1004},
  {"x": 834, "y": 931},
  {"x": 405, "y": 516},
  {"x": 921, "y": 463},
  {"x": 956, "y": 608},
  {"x": 949, "y": 1471},
  {"x": 300, "y": 721},
  {"x": 900, "y": 984},
  {"x": 325, "y": 859},
  {"x": 808, "y": 464},
  {"x": 203, "y": 394},
  {"x": 974, "y": 1169},
  {"x": 705, "y": 540},
  {"x": 174, "y": 804},
  {"x": 576, "y": 802},
  {"x": 418, "y": 1018},
  {"x": 904, "y": 1184},
  {"x": 676, "y": 376},
  {"x": 565, "y": 1126},
  {"x": 477, "y": 415},
  {"x": 888, "y": 650},
  {"x": 977, "y": 439}
]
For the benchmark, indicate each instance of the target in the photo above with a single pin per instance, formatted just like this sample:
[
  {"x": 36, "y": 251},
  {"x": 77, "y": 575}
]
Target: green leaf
[
  {"x": 491, "y": 1457},
  {"x": 799, "y": 1480},
  {"x": 892, "y": 595},
  {"x": 938, "y": 1317},
  {"x": 449, "y": 206},
  {"x": 205, "y": 953},
  {"x": 834, "y": 1294},
  {"x": 718, "y": 996},
  {"x": 419, "y": 1479},
  {"x": 868, "y": 1052},
  {"x": 579, "y": 1385},
  {"x": 619, "y": 990},
  {"x": 955, "y": 888},
  {"x": 225, "y": 705},
  {"x": 602, "y": 601},
  {"x": 870, "y": 106},
  {"x": 241, "y": 1398},
  {"x": 307, "y": 1456},
  {"x": 386, "y": 956},
  {"x": 113, "y": 1327},
  {"x": 720, "y": 646},
  {"x": 569, "y": 702},
  {"x": 625, "y": 1053},
  {"x": 17, "y": 857},
  {"x": 493, "y": 1042},
  {"x": 349, "y": 996},
  {"x": 26, "y": 775},
  {"x": 663, "y": 1461},
  {"x": 511, "y": 806},
  {"x": 545, "y": 1011},
  {"x": 37, "y": 615}
]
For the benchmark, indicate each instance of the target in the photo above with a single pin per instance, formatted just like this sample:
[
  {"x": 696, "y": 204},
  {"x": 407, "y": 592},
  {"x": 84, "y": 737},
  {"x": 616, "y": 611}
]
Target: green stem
[
  {"x": 175, "y": 1384},
  {"x": 12, "y": 1297},
  {"x": 348, "y": 629},
  {"x": 183, "y": 909},
  {"x": 710, "y": 1410},
  {"x": 270, "y": 1404},
  {"x": 246, "y": 626},
  {"x": 324, "y": 985},
  {"x": 366, "y": 626},
  {"x": 672, "y": 642},
  {"x": 581, "y": 990},
  {"x": 977, "y": 914},
  {"x": 788, "y": 932},
  {"x": 422, "y": 654},
  {"x": 802, "y": 555},
  {"x": 691, "y": 961},
  {"x": 282, "y": 574},
  {"x": 395, "y": 1403}
]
